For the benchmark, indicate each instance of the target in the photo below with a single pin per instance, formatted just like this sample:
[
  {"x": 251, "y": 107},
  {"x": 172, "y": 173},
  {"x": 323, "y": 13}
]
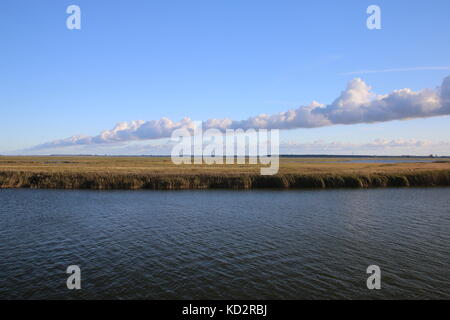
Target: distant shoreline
[{"x": 331, "y": 156}]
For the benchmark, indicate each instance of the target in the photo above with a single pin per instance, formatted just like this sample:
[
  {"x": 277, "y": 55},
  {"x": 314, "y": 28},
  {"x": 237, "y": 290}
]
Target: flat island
[{"x": 159, "y": 173}]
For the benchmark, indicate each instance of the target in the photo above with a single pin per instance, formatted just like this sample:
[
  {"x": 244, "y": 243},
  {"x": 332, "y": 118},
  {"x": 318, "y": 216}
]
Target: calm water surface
[{"x": 225, "y": 244}]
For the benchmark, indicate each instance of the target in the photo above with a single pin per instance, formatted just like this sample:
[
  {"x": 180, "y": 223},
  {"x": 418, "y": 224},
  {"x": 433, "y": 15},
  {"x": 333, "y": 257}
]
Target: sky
[{"x": 225, "y": 59}]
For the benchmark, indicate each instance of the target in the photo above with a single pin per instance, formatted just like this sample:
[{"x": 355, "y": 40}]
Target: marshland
[{"x": 160, "y": 173}]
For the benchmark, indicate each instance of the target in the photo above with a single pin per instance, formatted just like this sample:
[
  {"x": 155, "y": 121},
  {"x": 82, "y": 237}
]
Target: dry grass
[
  {"x": 161, "y": 173},
  {"x": 164, "y": 166}
]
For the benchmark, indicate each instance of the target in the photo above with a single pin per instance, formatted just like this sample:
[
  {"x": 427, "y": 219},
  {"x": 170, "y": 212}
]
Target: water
[{"x": 225, "y": 244}]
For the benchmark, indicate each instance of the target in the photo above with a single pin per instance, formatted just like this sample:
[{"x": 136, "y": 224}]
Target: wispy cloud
[
  {"x": 356, "y": 104},
  {"x": 360, "y": 72},
  {"x": 375, "y": 147}
]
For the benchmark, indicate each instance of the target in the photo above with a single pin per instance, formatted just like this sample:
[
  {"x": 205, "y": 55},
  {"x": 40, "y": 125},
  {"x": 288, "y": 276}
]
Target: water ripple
[{"x": 225, "y": 244}]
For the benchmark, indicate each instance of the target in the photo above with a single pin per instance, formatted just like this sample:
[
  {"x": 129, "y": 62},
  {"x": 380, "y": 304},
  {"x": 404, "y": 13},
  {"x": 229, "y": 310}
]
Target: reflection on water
[{"x": 225, "y": 244}]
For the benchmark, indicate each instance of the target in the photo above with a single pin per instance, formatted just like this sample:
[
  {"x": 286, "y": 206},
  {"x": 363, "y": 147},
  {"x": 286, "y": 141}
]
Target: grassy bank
[
  {"x": 160, "y": 174},
  {"x": 103, "y": 181}
]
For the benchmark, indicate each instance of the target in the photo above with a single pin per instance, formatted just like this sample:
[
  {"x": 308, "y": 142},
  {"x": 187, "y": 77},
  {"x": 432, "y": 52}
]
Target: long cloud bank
[{"x": 356, "y": 104}]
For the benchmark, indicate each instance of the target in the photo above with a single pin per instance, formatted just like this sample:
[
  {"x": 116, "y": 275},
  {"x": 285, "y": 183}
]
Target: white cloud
[
  {"x": 356, "y": 104},
  {"x": 375, "y": 147}
]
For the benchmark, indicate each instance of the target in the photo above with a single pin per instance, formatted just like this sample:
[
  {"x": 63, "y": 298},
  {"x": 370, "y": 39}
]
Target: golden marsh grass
[{"x": 91, "y": 172}]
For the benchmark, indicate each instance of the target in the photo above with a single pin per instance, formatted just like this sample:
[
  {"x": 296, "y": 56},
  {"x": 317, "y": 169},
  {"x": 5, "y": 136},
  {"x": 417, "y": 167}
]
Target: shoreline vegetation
[{"x": 159, "y": 173}]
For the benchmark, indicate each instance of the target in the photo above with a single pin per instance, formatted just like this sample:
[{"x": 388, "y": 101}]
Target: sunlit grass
[{"x": 161, "y": 173}]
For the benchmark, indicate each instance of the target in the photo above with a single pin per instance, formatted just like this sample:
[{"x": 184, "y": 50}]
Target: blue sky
[{"x": 144, "y": 60}]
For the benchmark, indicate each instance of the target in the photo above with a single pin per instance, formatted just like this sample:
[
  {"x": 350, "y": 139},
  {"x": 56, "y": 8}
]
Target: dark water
[{"x": 225, "y": 244}]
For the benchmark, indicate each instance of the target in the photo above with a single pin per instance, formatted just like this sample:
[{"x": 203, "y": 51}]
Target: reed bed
[{"x": 108, "y": 173}]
